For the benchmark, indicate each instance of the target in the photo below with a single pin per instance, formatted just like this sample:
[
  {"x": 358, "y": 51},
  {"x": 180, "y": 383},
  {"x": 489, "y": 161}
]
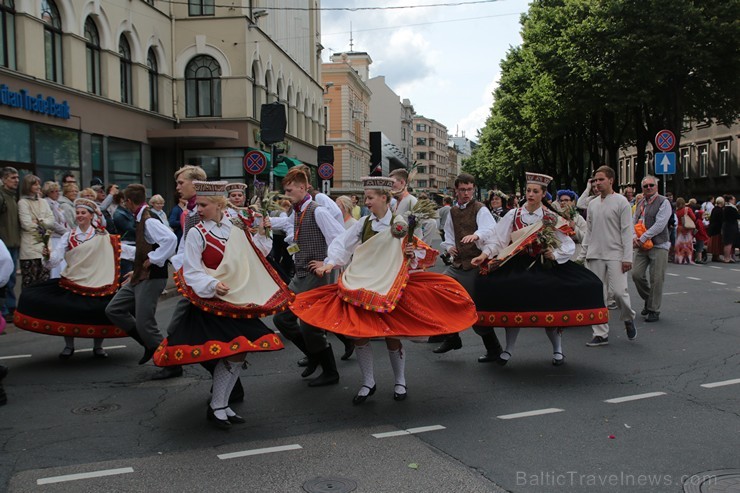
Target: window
[
  {"x": 685, "y": 162},
  {"x": 219, "y": 164},
  {"x": 52, "y": 40},
  {"x": 421, "y": 183},
  {"x": 124, "y": 162},
  {"x": 421, "y": 155},
  {"x": 15, "y": 141},
  {"x": 421, "y": 141},
  {"x": 203, "y": 87},
  {"x": 151, "y": 63},
  {"x": 92, "y": 54},
  {"x": 422, "y": 169},
  {"x": 7, "y": 33},
  {"x": 57, "y": 150},
  {"x": 703, "y": 151},
  {"x": 201, "y": 7},
  {"x": 124, "y": 51},
  {"x": 723, "y": 153},
  {"x": 421, "y": 127},
  {"x": 96, "y": 155}
]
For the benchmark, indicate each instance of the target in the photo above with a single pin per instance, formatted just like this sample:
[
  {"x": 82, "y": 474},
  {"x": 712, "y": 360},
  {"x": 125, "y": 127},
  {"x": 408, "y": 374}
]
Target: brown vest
[
  {"x": 464, "y": 224},
  {"x": 142, "y": 253}
]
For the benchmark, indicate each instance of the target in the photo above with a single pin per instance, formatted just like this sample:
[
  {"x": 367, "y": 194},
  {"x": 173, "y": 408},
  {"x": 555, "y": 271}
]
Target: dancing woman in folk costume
[
  {"x": 229, "y": 285},
  {"x": 236, "y": 193},
  {"x": 531, "y": 282},
  {"x": 376, "y": 296},
  {"x": 74, "y": 305}
]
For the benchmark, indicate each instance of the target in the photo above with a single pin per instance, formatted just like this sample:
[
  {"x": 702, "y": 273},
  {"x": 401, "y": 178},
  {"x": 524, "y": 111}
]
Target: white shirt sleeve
[
  {"x": 128, "y": 252},
  {"x": 57, "y": 254},
  {"x": 585, "y": 197},
  {"x": 501, "y": 236},
  {"x": 486, "y": 225},
  {"x": 343, "y": 246},
  {"x": 6, "y": 264},
  {"x": 195, "y": 276},
  {"x": 330, "y": 228},
  {"x": 566, "y": 249},
  {"x": 156, "y": 232},
  {"x": 449, "y": 230},
  {"x": 326, "y": 201},
  {"x": 263, "y": 243}
]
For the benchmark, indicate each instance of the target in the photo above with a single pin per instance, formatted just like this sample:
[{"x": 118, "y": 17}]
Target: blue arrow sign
[{"x": 665, "y": 163}]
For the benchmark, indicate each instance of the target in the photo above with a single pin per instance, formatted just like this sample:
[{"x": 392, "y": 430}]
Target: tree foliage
[{"x": 594, "y": 76}]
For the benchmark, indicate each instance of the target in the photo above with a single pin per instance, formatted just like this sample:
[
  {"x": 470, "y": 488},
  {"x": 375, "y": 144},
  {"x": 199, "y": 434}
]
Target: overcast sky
[{"x": 444, "y": 59}]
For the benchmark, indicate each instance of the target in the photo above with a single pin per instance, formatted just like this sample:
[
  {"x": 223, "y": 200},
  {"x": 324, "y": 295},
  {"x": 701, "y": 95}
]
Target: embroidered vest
[
  {"x": 310, "y": 240},
  {"x": 464, "y": 223},
  {"x": 367, "y": 230},
  {"x": 213, "y": 253},
  {"x": 142, "y": 253}
]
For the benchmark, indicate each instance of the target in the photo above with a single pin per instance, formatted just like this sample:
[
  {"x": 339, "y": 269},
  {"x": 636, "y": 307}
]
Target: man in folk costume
[
  {"x": 134, "y": 306},
  {"x": 404, "y": 201},
  {"x": 467, "y": 223},
  {"x": 607, "y": 249},
  {"x": 314, "y": 229}
]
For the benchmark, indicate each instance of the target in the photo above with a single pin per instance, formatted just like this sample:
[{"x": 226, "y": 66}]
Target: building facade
[
  {"x": 129, "y": 91},
  {"x": 347, "y": 102},
  {"x": 392, "y": 117},
  {"x": 430, "y": 153}
]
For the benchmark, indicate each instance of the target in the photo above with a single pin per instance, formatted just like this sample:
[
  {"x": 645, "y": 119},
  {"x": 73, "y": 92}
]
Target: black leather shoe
[
  {"x": 644, "y": 311},
  {"x": 168, "y": 372},
  {"x": 67, "y": 353},
  {"x": 487, "y": 358},
  {"x": 558, "y": 362},
  {"x": 236, "y": 419},
  {"x": 652, "y": 317},
  {"x": 359, "y": 399},
  {"x": 148, "y": 353},
  {"x": 3, "y": 372},
  {"x": 99, "y": 352},
  {"x": 448, "y": 345},
  {"x": 313, "y": 364},
  {"x": 221, "y": 424},
  {"x": 397, "y": 396},
  {"x": 501, "y": 361},
  {"x": 303, "y": 362}
]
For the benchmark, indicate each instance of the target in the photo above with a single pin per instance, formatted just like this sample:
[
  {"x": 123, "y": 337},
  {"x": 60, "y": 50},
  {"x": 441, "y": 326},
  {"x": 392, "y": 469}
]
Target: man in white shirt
[{"x": 608, "y": 250}]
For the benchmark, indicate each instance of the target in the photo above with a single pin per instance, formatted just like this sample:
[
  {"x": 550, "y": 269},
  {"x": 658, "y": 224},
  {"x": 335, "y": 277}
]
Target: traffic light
[{"x": 277, "y": 155}]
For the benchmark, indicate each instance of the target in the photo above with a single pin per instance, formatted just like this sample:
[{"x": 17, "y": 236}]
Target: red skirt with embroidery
[
  {"x": 431, "y": 304},
  {"x": 202, "y": 336}
]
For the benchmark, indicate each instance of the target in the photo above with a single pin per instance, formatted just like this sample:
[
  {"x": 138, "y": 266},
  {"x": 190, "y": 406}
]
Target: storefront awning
[{"x": 192, "y": 134}]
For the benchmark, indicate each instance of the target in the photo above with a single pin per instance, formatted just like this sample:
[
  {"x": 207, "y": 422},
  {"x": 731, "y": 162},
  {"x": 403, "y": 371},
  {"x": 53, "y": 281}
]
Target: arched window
[
  {"x": 52, "y": 40},
  {"x": 92, "y": 56},
  {"x": 7, "y": 33},
  {"x": 124, "y": 51},
  {"x": 151, "y": 63},
  {"x": 203, "y": 87}
]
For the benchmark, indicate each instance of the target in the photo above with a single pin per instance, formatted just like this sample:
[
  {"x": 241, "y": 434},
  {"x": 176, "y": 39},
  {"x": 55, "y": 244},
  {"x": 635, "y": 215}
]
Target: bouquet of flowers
[
  {"x": 43, "y": 235},
  {"x": 265, "y": 199},
  {"x": 546, "y": 241}
]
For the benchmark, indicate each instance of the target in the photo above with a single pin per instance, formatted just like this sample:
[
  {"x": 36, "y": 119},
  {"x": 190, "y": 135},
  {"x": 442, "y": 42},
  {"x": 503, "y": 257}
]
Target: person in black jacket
[
  {"x": 715, "y": 229},
  {"x": 729, "y": 229}
]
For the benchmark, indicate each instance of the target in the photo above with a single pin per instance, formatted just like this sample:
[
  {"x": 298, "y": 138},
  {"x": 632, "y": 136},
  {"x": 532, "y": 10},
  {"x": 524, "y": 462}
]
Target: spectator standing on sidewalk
[
  {"x": 36, "y": 221},
  {"x": 607, "y": 249},
  {"x": 714, "y": 230},
  {"x": 10, "y": 232},
  {"x": 655, "y": 211}
]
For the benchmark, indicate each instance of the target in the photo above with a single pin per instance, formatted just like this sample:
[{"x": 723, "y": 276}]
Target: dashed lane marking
[
  {"x": 410, "y": 431},
  {"x": 714, "y": 267},
  {"x": 720, "y": 283},
  {"x": 672, "y": 274},
  {"x": 259, "y": 451},
  {"x": 735, "y": 270},
  {"x": 526, "y": 414},
  {"x": 693, "y": 278},
  {"x": 85, "y": 475},
  {"x": 636, "y": 397},
  {"x": 720, "y": 384},
  {"x": 677, "y": 292},
  {"x": 16, "y": 356},
  {"x": 87, "y": 350}
]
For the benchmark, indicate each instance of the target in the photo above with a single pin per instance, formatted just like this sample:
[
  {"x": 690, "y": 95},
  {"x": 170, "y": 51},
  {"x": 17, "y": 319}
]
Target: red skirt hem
[
  {"x": 192, "y": 354},
  {"x": 50, "y": 327},
  {"x": 567, "y": 318}
]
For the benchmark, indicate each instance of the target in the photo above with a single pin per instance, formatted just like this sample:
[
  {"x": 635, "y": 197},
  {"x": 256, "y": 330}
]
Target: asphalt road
[{"x": 465, "y": 427}]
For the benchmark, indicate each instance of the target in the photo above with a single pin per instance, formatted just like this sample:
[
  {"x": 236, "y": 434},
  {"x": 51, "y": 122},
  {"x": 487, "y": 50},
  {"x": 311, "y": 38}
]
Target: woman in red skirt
[{"x": 376, "y": 296}]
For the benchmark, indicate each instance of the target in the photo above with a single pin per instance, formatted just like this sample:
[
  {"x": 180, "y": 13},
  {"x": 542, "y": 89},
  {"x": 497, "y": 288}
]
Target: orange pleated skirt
[{"x": 431, "y": 304}]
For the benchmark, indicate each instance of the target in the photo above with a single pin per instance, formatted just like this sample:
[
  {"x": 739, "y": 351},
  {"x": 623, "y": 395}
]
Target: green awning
[
  {"x": 280, "y": 170},
  {"x": 292, "y": 162}
]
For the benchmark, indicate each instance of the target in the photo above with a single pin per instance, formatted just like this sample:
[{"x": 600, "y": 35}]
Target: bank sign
[{"x": 36, "y": 104}]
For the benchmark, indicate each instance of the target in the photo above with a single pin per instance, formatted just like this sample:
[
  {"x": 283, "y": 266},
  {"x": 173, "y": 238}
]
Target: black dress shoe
[
  {"x": 221, "y": 424},
  {"x": 67, "y": 353},
  {"x": 652, "y": 317},
  {"x": 99, "y": 352},
  {"x": 148, "y": 353},
  {"x": 501, "y": 361},
  {"x": 487, "y": 358},
  {"x": 236, "y": 419},
  {"x": 303, "y": 362},
  {"x": 397, "y": 396},
  {"x": 448, "y": 345},
  {"x": 311, "y": 366},
  {"x": 359, "y": 399},
  {"x": 168, "y": 372}
]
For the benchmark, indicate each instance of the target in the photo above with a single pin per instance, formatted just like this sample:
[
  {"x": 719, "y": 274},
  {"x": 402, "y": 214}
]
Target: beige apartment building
[
  {"x": 127, "y": 91},
  {"x": 347, "y": 102},
  {"x": 431, "y": 155},
  {"x": 392, "y": 116}
]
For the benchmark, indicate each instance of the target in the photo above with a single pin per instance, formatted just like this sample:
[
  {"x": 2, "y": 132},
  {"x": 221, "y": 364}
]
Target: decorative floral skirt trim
[
  {"x": 203, "y": 336},
  {"x": 431, "y": 304},
  {"x": 48, "y": 308},
  {"x": 568, "y": 318}
]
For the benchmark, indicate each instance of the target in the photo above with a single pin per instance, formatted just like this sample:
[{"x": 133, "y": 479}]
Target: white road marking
[
  {"x": 677, "y": 292},
  {"x": 735, "y": 270},
  {"x": 636, "y": 397},
  {"x": 15, "y": 356},
  {"x": 693, "y": 278},
  {"x": 720, "y": 384},
  {"x": 714, "y": 267},
  {"x": 259, "y": 451},
  {"x": 671, "y": 274},
  {"x": 410, "y": 431},
  {"x": 527, "y": 414},
  {"x": 85, "y": 475},
  {"x": 87, "y": 350},
  {"x": 720, "y": 283}
]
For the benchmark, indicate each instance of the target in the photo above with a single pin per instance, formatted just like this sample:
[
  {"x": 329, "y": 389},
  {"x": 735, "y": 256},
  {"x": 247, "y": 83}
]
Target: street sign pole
[{"x": 270, "y": 164}]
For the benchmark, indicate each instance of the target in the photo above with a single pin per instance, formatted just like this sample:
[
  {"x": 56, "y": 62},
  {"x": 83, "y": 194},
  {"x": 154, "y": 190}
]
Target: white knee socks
[
  {"x": 511, "y": 334},
  {"x": 398, "y": 363},
  {"x": 365, "y": 359},
  {"x": 224, "y": 377},
  {"x": 554, "y": 334}
]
